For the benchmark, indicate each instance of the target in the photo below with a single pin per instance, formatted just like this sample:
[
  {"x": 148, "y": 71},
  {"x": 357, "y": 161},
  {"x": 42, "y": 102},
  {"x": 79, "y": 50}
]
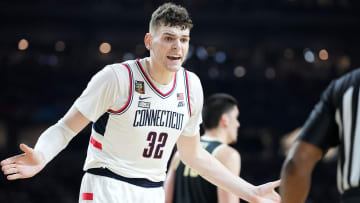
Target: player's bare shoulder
[
  {"x": 227, "y": 153},
  {"x": 228, "y": 156}
]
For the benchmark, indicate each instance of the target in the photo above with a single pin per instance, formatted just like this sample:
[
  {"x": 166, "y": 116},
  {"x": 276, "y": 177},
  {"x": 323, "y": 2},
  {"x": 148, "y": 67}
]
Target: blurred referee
[{"x": 334, "y": 121}]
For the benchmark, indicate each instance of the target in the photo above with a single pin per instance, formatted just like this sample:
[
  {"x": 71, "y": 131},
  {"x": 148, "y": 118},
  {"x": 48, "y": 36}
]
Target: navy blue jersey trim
[
  {"x": 100, "y": 125},
  {"x": 142, "y": 182}
]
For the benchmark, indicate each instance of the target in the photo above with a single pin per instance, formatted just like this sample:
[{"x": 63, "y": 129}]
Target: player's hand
[
  {"x": 267, "y": 193},
  {"x": 25, "y": 165}
]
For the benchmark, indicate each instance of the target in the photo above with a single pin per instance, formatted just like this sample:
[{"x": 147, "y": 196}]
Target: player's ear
[
  {"x": 147, "y": 41},
  {"x": 224, "y": 120}
]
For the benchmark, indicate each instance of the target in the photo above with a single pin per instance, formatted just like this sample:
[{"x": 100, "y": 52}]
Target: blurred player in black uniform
[
  {"x": 333, "y": 122},
  {"x": 220, "y": 119}
]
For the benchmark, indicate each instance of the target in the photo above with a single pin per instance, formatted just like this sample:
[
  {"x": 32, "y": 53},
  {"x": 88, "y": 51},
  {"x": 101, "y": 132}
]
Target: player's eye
[
  {"x": 184, "y": 40},
  {"x": 168, "y": 39}
]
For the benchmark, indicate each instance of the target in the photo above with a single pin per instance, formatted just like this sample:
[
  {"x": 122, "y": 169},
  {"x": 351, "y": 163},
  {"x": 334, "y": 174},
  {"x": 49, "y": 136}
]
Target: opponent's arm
[
  {"x": 49, "y": 144},
  {"x": 192, "y": 154},
  {"x": 296, "y": 172},
  {"x": 169, "y": 183},
  {"x": 230, "y": 158}
]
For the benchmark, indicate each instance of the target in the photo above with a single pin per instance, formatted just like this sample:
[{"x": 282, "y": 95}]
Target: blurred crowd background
[{"x": 274, "y": 56}]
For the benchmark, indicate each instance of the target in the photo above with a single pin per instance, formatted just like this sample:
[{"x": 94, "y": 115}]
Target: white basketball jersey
[{"x": 136, "y": 140}]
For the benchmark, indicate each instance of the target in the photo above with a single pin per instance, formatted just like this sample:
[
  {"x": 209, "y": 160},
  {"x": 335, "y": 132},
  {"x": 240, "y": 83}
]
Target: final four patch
[{"x": 139, "y": 86}]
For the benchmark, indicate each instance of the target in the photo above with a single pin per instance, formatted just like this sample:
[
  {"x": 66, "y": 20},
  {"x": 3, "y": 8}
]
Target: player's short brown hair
[
  {"x": 172, "y": 15},
  {"x": 214, "y": 107}
]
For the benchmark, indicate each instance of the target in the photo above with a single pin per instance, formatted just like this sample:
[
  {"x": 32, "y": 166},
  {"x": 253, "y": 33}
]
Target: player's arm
[
  {"x": 192, "y": 154},
  {"x": 231, "y": 159},
  {"x": 319, "y": 132},
  {"x": 169, "y": 183},
  {"x": 100, "y": 94},
  {"x": 296, "y": 171},
  {"x": 49, "y": 144}
]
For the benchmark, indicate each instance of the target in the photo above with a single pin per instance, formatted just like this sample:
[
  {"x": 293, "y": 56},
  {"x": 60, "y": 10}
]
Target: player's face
[
  {"x": 169, "y": 47},
  {"x": 233, "y": 124}
]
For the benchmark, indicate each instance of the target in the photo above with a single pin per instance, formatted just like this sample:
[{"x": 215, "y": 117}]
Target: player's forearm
[
  {"x": 57, "y": 137},
  {"x": 227, "y": 197},
  {"x": 212, "y": 170},
  {"x": 296, "y": 172},
  {"x": 53, "y": 140},
  {"x": 295, "y": 183},
  {"x": 169, "y": 184}
]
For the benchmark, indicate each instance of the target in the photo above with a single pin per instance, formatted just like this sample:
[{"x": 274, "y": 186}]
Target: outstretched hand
[
  {"x": 25, "y": 165},
  {"x": 267, "y": 192}
]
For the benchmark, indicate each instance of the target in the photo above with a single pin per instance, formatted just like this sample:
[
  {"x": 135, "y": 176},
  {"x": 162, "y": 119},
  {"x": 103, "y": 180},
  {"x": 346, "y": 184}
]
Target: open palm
[{"x": 25, "y": 165}]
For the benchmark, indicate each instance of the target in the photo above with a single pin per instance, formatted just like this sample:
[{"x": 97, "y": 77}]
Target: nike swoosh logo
[{"x": 142, "y": 98}]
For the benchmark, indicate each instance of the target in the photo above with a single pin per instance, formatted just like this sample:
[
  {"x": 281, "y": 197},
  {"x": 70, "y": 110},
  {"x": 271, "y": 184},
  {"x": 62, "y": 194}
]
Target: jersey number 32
[{"x": 155, "y": 142}]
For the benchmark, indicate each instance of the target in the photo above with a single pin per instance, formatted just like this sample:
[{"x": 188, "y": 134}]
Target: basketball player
[
  {"x": 333, "y": 122},
  {"x": 183, "y": 184},
  {"x": 139, "y": 110}
]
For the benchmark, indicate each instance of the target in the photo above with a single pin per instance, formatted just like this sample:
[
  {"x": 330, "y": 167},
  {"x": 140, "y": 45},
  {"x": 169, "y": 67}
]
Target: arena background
[{"x": 275, "y": 57}]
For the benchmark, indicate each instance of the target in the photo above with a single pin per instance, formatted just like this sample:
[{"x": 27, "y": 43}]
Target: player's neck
[
  {"x": 159, "y": 74},
  {"x": 217, "y": 134}
]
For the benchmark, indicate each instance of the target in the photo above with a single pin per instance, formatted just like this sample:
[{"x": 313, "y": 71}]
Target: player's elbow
[
  {"x": 292, "y": 167},
  {"x": 302, "y": 161},
  {"x": 190, "y": 158},
  {"x": 187, "y": 159},
  {"x": 298, "y": 167}
]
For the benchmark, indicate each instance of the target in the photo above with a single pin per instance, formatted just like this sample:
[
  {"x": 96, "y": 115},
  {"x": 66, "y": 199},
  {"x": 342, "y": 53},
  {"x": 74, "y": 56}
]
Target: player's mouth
[{"x": 174, "y": 57}]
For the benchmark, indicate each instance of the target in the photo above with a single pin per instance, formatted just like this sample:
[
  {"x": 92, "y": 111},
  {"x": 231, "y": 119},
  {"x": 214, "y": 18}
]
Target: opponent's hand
[
  {"x": 267, "y": 193},
  {"x": 25, "y": 165}
]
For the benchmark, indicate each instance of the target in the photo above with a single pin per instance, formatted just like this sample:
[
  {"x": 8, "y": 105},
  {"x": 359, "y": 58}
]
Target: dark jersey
[
  {"x": 192, "y": 188},
  {"x": 335, "y": 121}
]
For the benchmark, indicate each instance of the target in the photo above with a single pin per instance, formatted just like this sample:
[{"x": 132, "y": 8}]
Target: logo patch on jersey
[
  {"x": 143, "y": 98},
  {"x": 180, "y": 96},
  {"x": 181, "y": 104},
  {"x": 143, "y": 104},
  {"x": 139, "y": 86}
]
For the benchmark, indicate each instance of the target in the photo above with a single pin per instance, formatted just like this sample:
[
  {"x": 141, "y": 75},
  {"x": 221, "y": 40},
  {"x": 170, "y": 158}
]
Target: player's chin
[{"x": 174, "y": 67}]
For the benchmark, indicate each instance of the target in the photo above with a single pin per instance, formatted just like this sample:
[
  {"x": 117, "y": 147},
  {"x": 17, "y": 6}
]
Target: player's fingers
[
  {"x": 11, "y": 171},
  {"x": 14, "y": 176},
  {"x": 11, "y": 160},
  {"x": 26, "y": 149},
  {"x": 276, "y": 184},
  {"x": 276, "y": 197},
  {"x": 8, "y": 166}
]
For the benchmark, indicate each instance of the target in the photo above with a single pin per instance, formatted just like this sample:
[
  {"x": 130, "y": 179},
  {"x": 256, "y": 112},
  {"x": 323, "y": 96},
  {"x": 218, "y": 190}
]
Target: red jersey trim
[
  {"x": 87, "y": 196},
  {"x": 95, "y": 143},
  {"x": 130, "y": 92}
]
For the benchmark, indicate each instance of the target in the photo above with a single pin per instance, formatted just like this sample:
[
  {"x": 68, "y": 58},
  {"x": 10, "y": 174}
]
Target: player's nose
[{"x": 176, "y": 44}]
